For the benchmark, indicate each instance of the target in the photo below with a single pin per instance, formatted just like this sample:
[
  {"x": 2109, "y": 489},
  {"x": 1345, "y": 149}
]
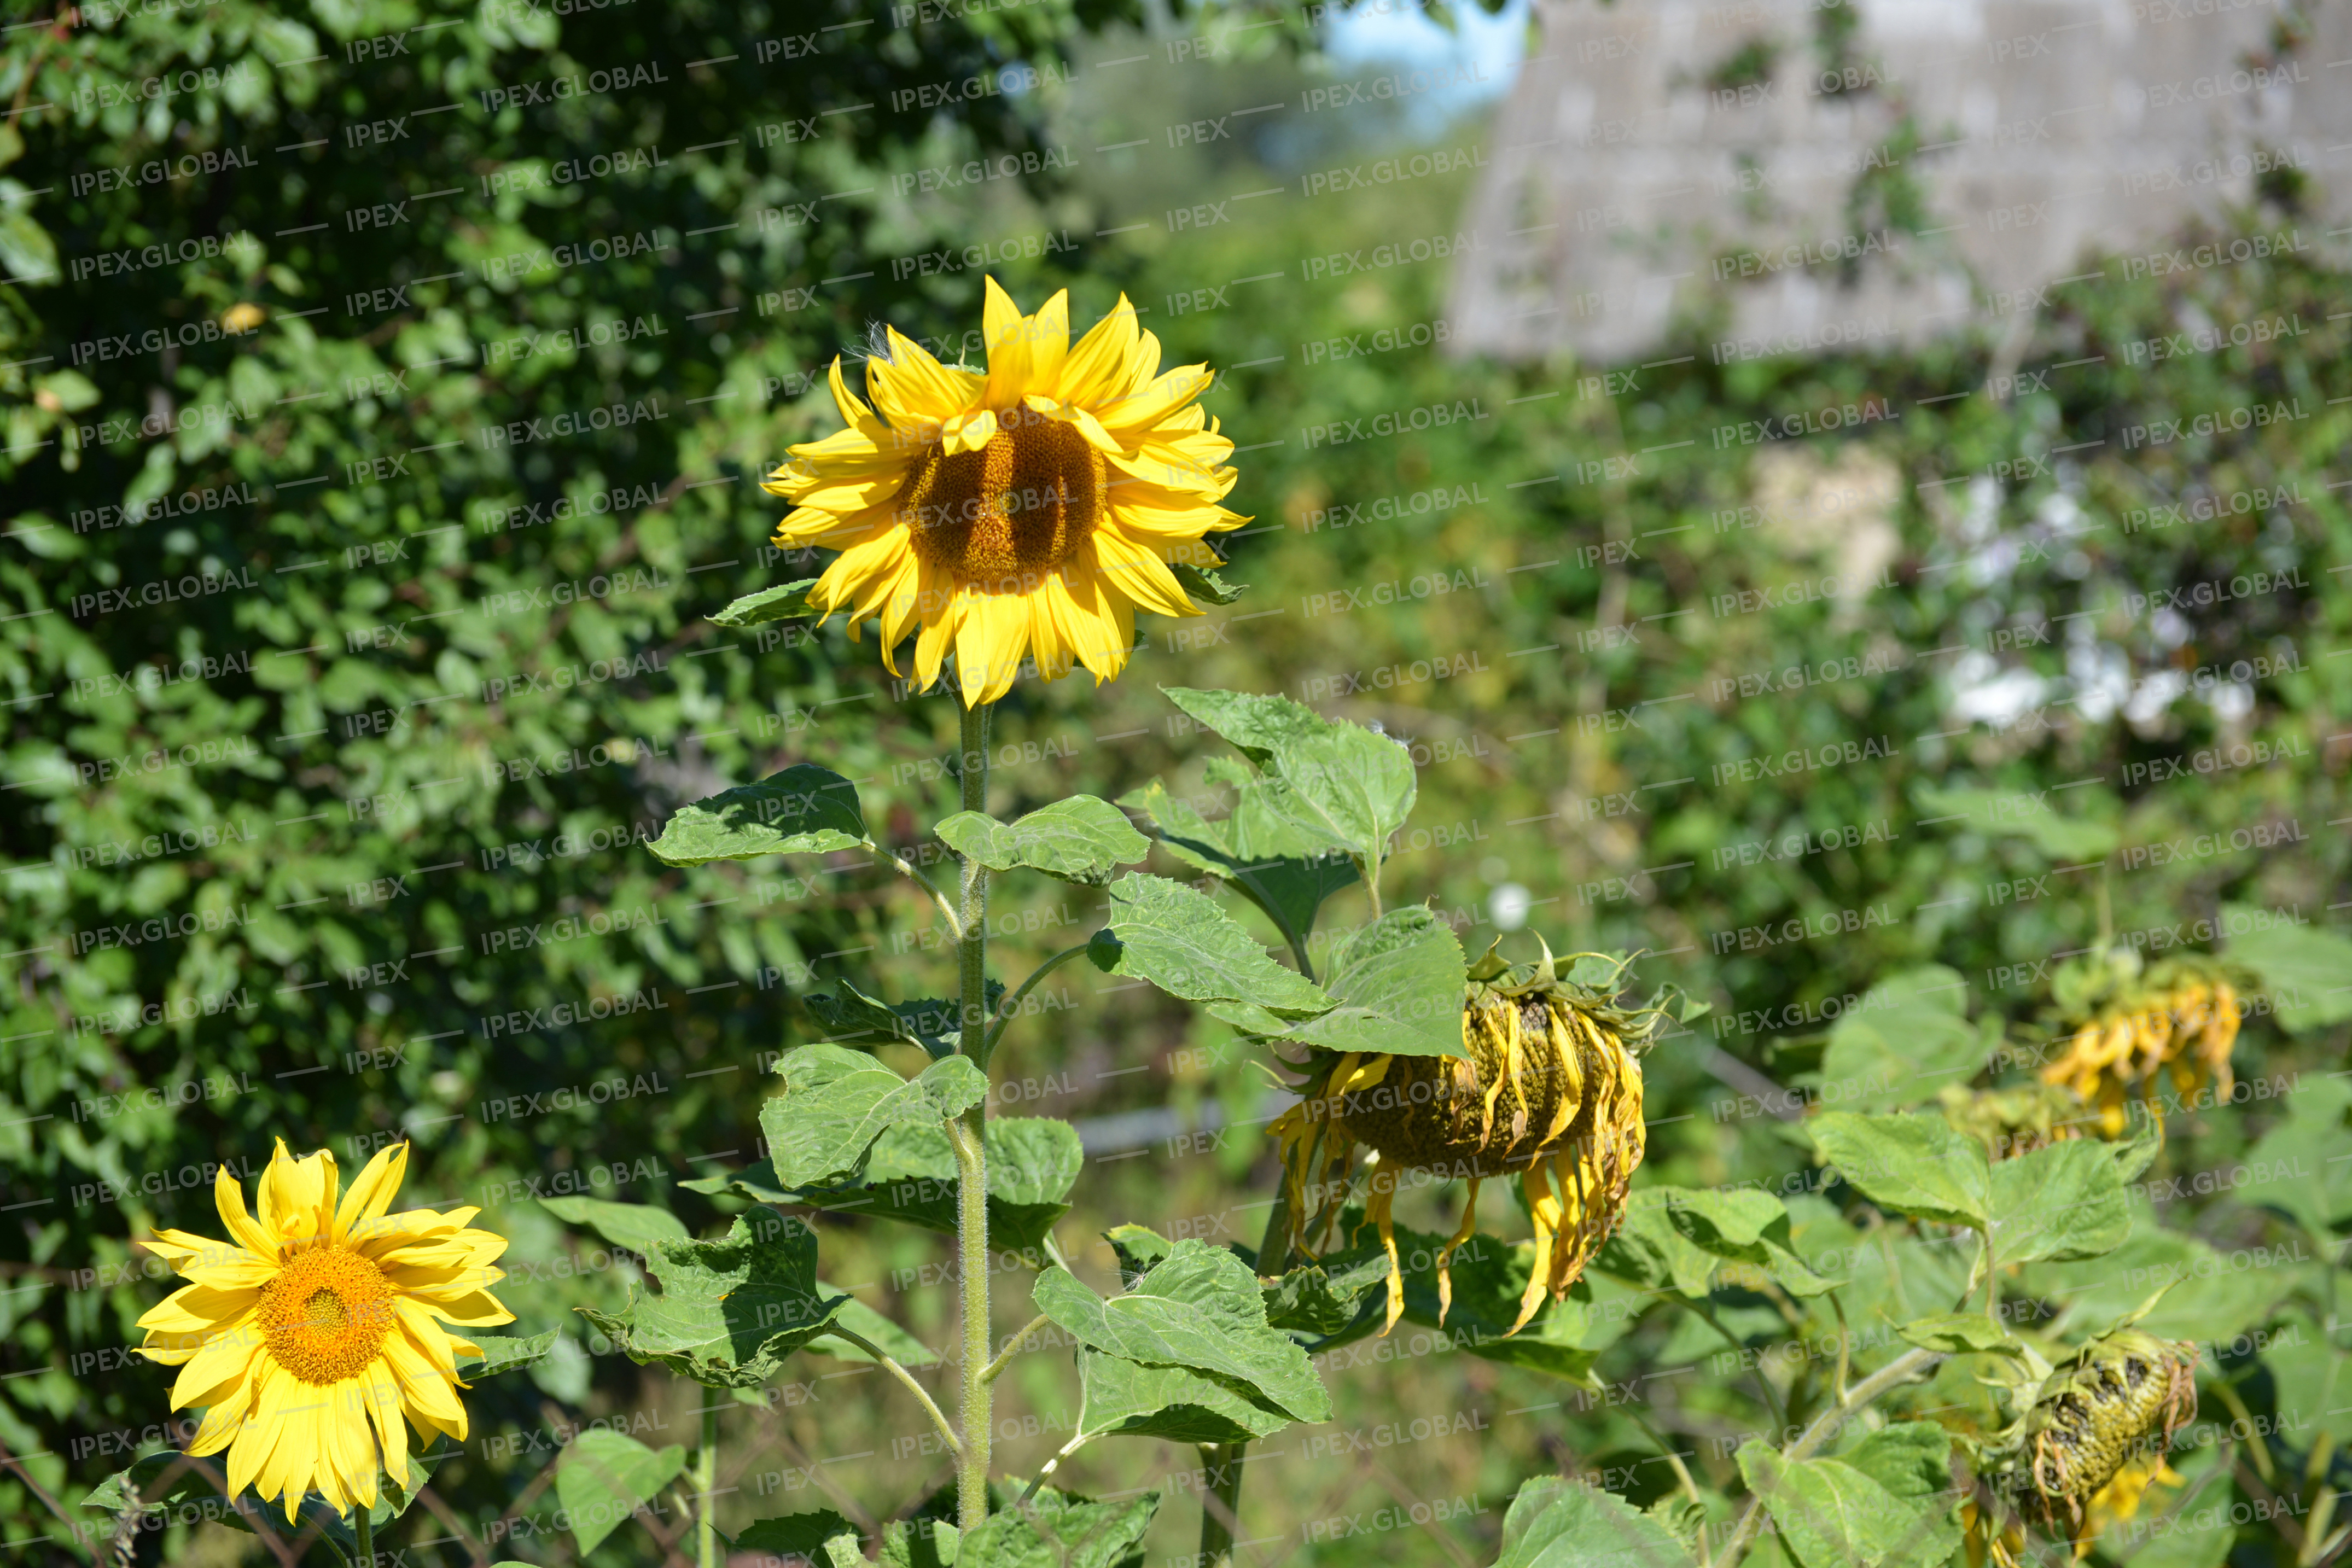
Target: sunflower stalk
[
  {"x": 1221, "y": 1502},
  {"x": 705, "y": 1481},
  {"x": 968, "y": 1135}
]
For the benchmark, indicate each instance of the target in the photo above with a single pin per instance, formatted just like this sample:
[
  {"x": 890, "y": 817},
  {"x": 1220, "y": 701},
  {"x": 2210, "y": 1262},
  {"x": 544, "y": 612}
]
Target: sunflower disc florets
[
  {"x": 1548, "y": 1089},
  {"x": 2116, "y": 1404},
  {"x": 2122, "y": 1026}
]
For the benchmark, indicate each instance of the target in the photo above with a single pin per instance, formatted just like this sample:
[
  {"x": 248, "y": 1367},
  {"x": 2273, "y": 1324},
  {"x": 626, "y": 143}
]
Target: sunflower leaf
[
  {"x": 1127, "y": 1400},
  {"x": 1081, "y": 840},
  {"x": 782, "y": 602},
  {"x": 1290, "y": 889},
  {"x": 2062, "y": 1201},
  {"x": 730, "y": 1310},
  {"x": 1054, "y": 1532},
  {"x": 1353, "y": 784},
  {"x": 910, "y": 1178},
  {"x": 929, "y": 1022},
  {"x": 2028, "y": 817},
  {"x": 1182, "y": 942},
  {"x": 836, "y": 1102},
  {"x": 806, "y": 1536},
  {"x": 1556, "y": 1522},
  {"x": 504, "y": 1352},
  {"x": 1919, "y": 1166},
  {"x": 635, "y": 1226},
  {"x": 804, "y": 809},
  {"x": 1204, "y": 585},
  {"x": 1831, "y": 1514},
  {"x": 1200, "y": 1309},
  {"x": 1908, "y": 1037},
  {"x": 608, "y": 1477},
  {"x": 1253, "y": 725},
  {"x": 1398, "y": 983},
  {"x": 2305, "y": 970}
]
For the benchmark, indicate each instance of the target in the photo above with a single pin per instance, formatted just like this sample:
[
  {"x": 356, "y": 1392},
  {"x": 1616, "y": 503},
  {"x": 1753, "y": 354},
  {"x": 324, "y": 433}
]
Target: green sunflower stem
[
  {"x": 363, "y": 1527},
  {"x": 1221, "y": 1502},
  {"x": 705, "y": 1481},
  {"x": 968, "y": 1135}
]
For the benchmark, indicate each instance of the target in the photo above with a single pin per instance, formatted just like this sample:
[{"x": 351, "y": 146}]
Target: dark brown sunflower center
[
  {"x": 1437, "y": 1113},
  {"x": 1012, "y": 510}
]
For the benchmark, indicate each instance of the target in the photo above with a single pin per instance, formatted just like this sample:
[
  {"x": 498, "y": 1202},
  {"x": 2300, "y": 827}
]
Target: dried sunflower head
[
  {"x": 1547, "y": 1088},
  {"x": 2113, "y": 1407},
  {"x": 2123, "y": 1027}
]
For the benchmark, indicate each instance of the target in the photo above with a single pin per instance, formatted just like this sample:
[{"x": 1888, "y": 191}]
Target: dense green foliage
[{"x": 339, "y": 833}]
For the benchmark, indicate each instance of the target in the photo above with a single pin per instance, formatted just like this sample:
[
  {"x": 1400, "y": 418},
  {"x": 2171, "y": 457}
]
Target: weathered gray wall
[{"x": 2051, "y": 130}]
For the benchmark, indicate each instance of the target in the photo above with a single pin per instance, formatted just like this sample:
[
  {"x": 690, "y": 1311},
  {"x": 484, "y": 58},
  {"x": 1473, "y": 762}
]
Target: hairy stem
[
  {"x": 1902, "y": 1369},
  {"x": 969, "y": 1136},
  {"x": 1221, "y": 1502},
  {"x": 907, "y": 869},
  {"x": 705, "y": 1481},
  {"x": 891, "y": 1364},
  {"x": 364, "y": 1526}
]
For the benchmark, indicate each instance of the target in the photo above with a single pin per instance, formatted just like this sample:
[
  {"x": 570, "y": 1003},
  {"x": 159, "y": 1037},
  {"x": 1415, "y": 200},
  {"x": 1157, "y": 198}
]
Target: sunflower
[
  {"x": 1027, "y": 512},
  {"x": 2014, "y": 1120},
  {"x": 2181, "y": 1015},
  {"x": 1548, "y": 1090},
  {"x": 311, "y": 1333}
]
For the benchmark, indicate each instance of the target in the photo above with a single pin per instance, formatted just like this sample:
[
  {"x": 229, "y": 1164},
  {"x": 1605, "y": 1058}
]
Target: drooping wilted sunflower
[
  {"x": 2179, "y": 1014},
  {"x": 2091, "y": 1437},
  {"x": 2017, "y": 1120},
  {"x": 1026, "y": 511},
  {"x": 1548, "y": 1089},
  {"x": 311, "y": 1333}
]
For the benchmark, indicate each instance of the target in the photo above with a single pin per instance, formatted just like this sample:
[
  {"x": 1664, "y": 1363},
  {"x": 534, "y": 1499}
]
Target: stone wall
[{"x": 1738, "y": 163}]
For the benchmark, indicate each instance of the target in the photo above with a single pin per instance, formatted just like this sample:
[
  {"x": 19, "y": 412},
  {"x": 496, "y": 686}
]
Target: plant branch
[
  {"x": 1005, "y": 1010},
  {"x": 1900, "y": 1370},
  {"x": 1079, "y": 1441},
  {"x": 706, "y": 1478},
  {"x": 891, "y": 1364},
  {"x": 1004, "y": 1357},
  {"x": 913, "y": 873}
]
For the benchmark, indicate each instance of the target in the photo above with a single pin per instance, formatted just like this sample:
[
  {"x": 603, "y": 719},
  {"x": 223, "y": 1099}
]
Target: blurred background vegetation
[{"x": 410, "y": 827}]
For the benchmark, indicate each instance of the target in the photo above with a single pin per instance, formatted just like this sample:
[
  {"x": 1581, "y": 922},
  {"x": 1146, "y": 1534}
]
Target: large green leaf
[
  {"x": 729, "y": 1310},
  {"x": 503, "y": 1353},
  {"x": 820, "y": 1535},
  {"x": 1080, "y": 840},
  {"x": 1125, "y": 1398},
  {"x": 910, "y": 1178},
  {"x": 1556, "y": 1522},
  {"x": 1199, "y": 1308},
  {"x": 1182, "y": 942},
  {"x": 1909, "y": 1459},
  {"x": 1327, "y": 1298},
  {"x": 804, "y": 809},
  {"x": 1062, "y": 1533},
  {"x": 1397, "y": 983},
  {"x": 1290, "y": 888},
  {"x": 836, "y": 1102},
  {"x": 782, "y": 602},
  {"x": 930, "y": 1022},
  {"x": 1343, "y": 784},
  {"x": 1202, "y": 583},
  {"x": 1693, "y": 1240},
  {"x": 607, "y": 1477},
  {"x": 2062, "y": 1201},
  {"x": 2303, "y": 1165},
  {"x": 1919, "y": 1166},
  {"x": 2306, "y": 970},
  {"x": 2311, "y": 1380},
  {"x": 2082, "y": 832},
  {"x": 635, "y": 1226},
  {"x": 1831, "y": 1514},
  {"x": 1908, "y": 1037},
  {"x": 2206, "y": 1297}
]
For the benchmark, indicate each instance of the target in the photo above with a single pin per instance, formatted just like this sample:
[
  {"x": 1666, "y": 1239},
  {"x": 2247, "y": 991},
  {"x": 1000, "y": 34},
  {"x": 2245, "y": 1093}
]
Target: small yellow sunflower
[
  {"x": 1027, "y": 512},
  {"x": 311, "y": 1332},
  {"x": 1548, "y": 1089},
  {"x": 2182, "y": 1016}
]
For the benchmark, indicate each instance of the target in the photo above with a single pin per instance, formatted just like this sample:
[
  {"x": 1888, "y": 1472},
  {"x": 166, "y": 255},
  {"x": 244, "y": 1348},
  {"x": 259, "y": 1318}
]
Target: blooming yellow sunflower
[
  {"x": 310, "y": 1333},
  {"x": 1548, "y": 1089},
  {"x": 1024, "y": 513}
]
